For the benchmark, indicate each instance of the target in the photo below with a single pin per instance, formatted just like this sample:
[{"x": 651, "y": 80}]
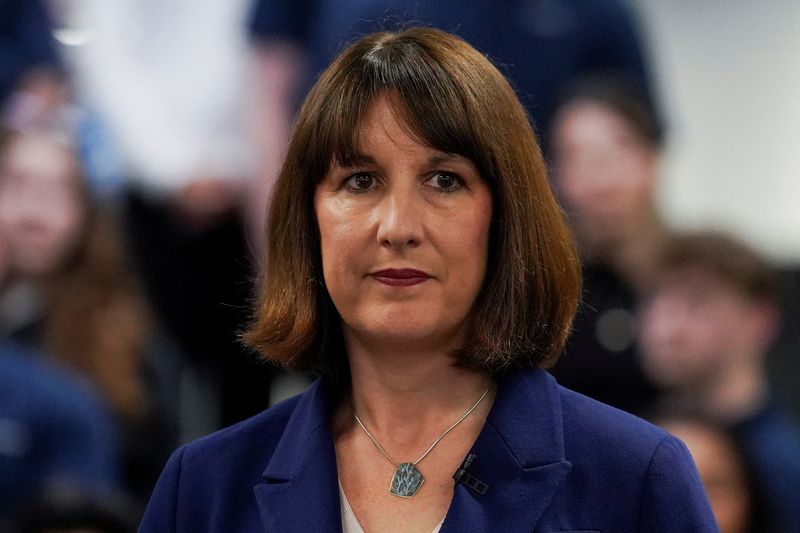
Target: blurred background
[{"x": 138, "y": 144}]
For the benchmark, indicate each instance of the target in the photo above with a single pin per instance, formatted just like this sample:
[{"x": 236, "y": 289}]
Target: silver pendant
[{"x": 406, "y": 481}]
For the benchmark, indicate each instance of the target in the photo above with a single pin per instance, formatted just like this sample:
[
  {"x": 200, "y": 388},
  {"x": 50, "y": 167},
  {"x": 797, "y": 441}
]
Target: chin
[
  {"x": 405, "y": 330},
  {"x": 401, "y": 332},
  {"x": 35, "y": 266}
]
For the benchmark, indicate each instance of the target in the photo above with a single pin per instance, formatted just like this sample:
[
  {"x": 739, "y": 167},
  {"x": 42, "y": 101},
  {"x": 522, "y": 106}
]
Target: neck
[
  {"x": 633, "y": 251},
  {"x": 406, "y": 395},
  {"x": 734, "y": 395},
  {"x": 636, "y": 253}
]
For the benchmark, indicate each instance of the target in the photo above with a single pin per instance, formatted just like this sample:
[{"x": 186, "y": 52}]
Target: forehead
[
  {"x": 384, "y": 121},
  {"x": 385, "y": 124},
  {"x": 34, "y": 159},
  {"x": 590, "y": 122},
  {"x": 388, "y": 119},
  {"x": 698, "y": 284}
]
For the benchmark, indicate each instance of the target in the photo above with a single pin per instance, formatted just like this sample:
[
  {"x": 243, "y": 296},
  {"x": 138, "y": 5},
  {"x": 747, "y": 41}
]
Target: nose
[
  {"x": 663, "y": 319},
  {"x": 399, "y": 220}
]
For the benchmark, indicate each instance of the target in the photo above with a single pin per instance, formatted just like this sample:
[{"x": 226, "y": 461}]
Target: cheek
[
  {"x": 66, "y": 223},
  {"x": 711, "y": 330},
  {"x": 468, "y": 241},
  {"x": 573, "y": 188},
  {"x": 341, "y": 250},
  {"x": 655, "y": 327}
]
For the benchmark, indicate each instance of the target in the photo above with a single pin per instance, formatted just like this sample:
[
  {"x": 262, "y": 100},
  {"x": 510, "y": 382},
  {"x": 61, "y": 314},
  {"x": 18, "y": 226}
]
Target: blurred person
[
  {"x": 726, "y": 474},
  {"x": 56, "y": 432},
  {"x": 706, "y": 328},
  {"x": 28, "y": 53},
  {"x": 84, "y": 305},
  {"x": 606, "y": 142},
  {"x": 75, "y": 513},
  {"x": 169, "y": 83},
  {"x": 420, "y": 263},
  {"x": 541, "y": 45}
]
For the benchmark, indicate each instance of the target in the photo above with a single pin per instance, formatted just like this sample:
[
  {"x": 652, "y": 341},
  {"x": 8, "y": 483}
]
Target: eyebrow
[
  {"x": 445, "y": 158},
  {"x": 356, "y": 159}
]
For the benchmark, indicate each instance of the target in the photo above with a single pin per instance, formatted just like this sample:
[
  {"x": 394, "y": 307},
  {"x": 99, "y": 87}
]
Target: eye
[
  {"x": 361, "y": 182},
  {"x": 444, "y": 181}
]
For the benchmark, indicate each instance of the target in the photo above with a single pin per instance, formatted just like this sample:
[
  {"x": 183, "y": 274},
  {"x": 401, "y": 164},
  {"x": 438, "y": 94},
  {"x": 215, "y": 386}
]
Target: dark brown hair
[
  {"x": 725, "y": 257},
  {"x": 624, "y": 97},
  {"x": 453, "y": 99},
  {"x": 96, "y": 318}
]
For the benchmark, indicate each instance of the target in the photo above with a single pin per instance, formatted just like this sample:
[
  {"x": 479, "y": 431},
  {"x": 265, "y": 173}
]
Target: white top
[
  {"x": 169, "y": 79},
  {"x": 350, "y": 522}
]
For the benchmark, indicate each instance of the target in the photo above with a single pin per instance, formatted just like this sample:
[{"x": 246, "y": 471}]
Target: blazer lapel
[
  {"x": 300, "y": 491},
  {"x": 519, "y": 454}
]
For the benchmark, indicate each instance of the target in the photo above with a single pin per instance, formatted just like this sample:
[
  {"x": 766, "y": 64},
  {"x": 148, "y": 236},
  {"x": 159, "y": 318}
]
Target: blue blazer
[{"x": 553, "y": 460}]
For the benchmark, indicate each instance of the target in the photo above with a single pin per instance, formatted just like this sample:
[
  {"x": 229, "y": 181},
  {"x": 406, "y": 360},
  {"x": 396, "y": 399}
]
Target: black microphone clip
[{"x": 464, "y": 477}]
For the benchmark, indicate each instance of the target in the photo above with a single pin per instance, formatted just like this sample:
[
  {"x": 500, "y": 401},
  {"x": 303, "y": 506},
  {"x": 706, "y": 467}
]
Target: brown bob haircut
[{"x": 454, "y": 100}]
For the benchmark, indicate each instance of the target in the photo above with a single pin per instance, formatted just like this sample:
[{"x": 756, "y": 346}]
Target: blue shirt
[
  {"x": 771, "y": 444},
  {"x": 53, "y": 430}
]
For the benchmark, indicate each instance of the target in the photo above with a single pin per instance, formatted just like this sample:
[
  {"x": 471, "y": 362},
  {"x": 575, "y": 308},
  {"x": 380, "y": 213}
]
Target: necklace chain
[{"x": 429, "y": 450}]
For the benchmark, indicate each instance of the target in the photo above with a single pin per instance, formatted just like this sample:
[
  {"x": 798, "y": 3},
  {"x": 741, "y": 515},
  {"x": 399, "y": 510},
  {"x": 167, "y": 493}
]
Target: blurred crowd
[{"x": 138, "y": 143}]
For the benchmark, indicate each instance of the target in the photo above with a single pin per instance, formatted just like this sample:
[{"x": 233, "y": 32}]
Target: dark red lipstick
[{"x": 400, "y": 277}]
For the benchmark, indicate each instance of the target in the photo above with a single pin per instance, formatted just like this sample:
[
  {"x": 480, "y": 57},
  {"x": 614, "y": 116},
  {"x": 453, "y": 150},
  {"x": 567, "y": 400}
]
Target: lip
[{"x": 400, "y": 277}]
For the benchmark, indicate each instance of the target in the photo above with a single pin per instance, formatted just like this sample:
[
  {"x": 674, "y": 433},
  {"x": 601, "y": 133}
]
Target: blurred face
[
  {"x": 721, "y": 471},
  {"x": 404, "y": 236},
  {"x": 692, "y": 327},
  {"x": 41, "y": 211},
  {"x": 604, "y": 171}
]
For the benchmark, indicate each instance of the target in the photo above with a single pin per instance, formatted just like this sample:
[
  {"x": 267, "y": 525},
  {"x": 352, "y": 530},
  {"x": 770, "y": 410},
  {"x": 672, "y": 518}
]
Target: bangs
[{"x": 429, "y": 102}]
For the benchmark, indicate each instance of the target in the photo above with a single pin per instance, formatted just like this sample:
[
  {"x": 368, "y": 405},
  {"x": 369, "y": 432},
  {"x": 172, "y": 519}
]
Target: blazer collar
[
  {"x": 300, "y": 488},
  {"x": 519, "y": 455}
]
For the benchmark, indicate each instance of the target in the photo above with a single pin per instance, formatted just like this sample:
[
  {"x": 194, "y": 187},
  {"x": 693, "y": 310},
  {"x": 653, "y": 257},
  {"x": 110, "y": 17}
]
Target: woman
[
  {"x": 418, "y": 261},
  {"x": 75, "y": 297},
  {"x": 65, "y": 249}
]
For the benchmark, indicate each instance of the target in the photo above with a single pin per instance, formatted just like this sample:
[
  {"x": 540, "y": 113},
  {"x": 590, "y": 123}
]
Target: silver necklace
[{"x": 407, "y": 479}]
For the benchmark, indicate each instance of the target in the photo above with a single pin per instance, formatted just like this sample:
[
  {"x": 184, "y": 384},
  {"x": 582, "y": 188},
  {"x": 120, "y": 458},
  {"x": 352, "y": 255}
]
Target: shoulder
[
  {"x": 621, "y": 473},
  {"x": 236, "y": 455},
  {"x": 248, "y": 442},
  {"x": 632, "y": 466},
  {"x": 209, "y": 482},
  {"x": 606, "y": 445},
  {"x": 625, "y": 473},
  {"x": 591, "y": 425}
]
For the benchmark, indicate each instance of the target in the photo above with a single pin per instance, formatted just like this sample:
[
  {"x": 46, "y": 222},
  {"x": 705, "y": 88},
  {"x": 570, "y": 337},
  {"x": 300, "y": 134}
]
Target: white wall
[{"x": 728, "y": 73}]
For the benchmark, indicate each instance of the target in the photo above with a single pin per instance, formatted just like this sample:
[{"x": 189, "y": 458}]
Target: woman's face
[
  {"x": 41, "y": 210},
  {"x": 404, "y": 234}
]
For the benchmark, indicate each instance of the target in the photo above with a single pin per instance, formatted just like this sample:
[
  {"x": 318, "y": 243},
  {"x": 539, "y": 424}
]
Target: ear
[{"x": 765, "y": 322}]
